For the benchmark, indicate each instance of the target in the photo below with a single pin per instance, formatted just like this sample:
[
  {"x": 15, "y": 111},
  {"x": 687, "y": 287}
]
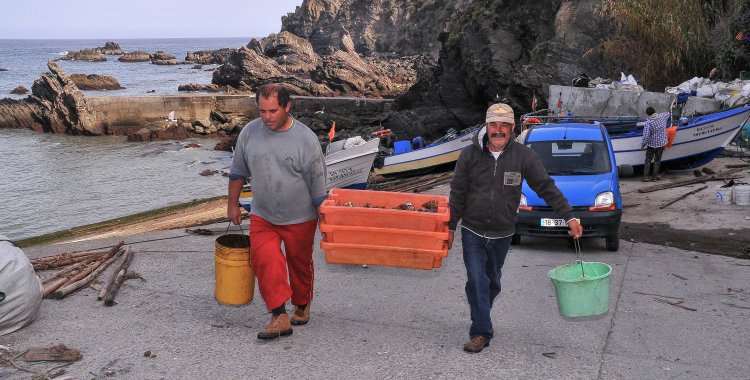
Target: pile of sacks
[
  {"x": 626, "y": 83},
  {"x": 732, "y": 94}
]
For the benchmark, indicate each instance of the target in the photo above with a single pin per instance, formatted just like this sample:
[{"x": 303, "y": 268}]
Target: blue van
[{"x": 580, "y": 158}]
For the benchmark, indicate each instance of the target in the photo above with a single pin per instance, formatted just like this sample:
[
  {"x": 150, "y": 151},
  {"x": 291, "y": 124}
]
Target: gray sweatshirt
[{"x": 287, "y": 169}]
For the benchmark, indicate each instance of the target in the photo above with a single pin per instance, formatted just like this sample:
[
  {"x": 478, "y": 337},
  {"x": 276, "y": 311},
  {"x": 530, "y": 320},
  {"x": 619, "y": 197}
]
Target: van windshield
[{"x": 567, "y": 157}]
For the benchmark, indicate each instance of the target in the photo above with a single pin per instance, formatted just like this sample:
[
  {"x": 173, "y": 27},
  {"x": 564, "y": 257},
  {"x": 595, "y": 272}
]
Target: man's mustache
[{"x": 497, "y": 134}]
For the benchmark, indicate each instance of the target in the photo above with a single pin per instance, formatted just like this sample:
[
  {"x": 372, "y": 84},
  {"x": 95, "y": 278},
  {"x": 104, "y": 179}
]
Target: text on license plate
[{"x": 548, "y": 222}]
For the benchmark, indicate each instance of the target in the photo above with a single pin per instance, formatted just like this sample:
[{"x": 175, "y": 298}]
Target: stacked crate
[{"x": 356, "y": 234}]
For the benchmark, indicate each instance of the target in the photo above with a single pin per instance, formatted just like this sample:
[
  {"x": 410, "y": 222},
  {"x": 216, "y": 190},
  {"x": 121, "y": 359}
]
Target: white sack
[{"x": 21, "y": 286}]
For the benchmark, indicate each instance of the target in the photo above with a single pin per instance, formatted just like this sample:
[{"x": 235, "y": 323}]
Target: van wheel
[
  {"x": 515, "y": 239},
  {"x": 613, "y": 242}
]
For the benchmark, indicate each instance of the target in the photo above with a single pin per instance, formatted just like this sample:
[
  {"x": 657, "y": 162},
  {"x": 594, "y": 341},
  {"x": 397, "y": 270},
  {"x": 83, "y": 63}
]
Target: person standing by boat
[
  {"x": 485, "y": 193},
  {"x": 288, "y": 172},
  {"x": 654, "y": 140}
]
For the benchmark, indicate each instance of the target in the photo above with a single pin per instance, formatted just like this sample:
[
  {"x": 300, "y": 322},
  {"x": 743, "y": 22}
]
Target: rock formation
[
  {"x": 95, "y": 82},
  {"x": 63, "y": 107},
  {"x": 162, "y": 56},
  {"x": 487, "y": 49},
  {"x": 110, "y": 48},
  {"x": 20, "y": 90},
  {"x": 135, "y": 56},
  {"x": 209, "y": 56},
  {"x": 338, "y": 69},
  {"x": 55, "y": 106},
  {"x": 90, "y": 55}
]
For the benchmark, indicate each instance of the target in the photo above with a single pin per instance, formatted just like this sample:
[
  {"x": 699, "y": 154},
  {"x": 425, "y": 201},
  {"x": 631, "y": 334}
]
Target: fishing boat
[
  {"x": 348, "y": 164},
  {"x": 406, "y": 161},
  {"x": 697, "y": 141}
]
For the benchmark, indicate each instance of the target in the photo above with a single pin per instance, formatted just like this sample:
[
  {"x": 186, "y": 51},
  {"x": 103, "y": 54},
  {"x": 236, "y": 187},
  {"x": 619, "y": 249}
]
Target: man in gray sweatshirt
[{"x": 285, "y": 161}]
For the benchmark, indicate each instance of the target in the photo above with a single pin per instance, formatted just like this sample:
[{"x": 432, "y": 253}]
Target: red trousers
[{"x": 283, "y": 274}]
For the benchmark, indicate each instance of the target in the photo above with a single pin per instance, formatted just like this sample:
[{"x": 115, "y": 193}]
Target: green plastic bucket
[{"x": 579, "y": 295}]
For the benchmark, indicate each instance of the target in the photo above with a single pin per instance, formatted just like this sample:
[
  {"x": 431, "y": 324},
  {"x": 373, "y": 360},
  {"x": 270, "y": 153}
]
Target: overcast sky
[{"x": 112, "y": 19}]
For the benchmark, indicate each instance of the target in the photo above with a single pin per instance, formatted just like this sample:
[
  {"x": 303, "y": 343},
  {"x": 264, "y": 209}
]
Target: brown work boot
[
  {"x": 279, "y": 326},
  {"x": 476, "y": 344},
  {"x": 300, "y": 317}
]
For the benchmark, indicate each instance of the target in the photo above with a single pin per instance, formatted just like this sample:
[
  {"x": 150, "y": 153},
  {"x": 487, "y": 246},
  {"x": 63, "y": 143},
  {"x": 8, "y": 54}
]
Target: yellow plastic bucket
[{"x": 235, "y": 279}]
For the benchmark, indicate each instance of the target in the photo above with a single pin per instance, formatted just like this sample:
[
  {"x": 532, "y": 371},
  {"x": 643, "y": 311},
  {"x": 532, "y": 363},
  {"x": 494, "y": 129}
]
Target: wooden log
[
  {"x": 64, "y": 259},
  {"x": 109, "y": 281},
  {"x": 48, "y": 289},
  {"x": 82, "y": 273},
  {"x": 73, "y": 286},
  {"x": 114, "y": 287},
  {"x": 683, "y": 196},
  {"x": 56, "y": 353},
  {"x": 728, "y": 174},
  {"x": 66, "y": 262},
  {"x": 65, "y": 272}
]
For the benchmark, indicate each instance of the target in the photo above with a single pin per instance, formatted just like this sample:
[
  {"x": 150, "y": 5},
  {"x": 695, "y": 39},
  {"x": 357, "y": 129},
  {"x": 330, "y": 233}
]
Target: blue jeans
[{"x": 484, "y": 259}]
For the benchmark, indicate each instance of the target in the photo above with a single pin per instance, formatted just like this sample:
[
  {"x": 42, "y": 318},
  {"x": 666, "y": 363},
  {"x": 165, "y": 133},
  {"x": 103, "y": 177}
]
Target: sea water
[
  {"x": 53, "y": 182},
  {"x": 26, "y": 60}
]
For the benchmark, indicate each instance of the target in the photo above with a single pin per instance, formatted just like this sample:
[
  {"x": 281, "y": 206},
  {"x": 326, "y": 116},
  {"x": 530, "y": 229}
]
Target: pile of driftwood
[{"x": 79, "y": 269}]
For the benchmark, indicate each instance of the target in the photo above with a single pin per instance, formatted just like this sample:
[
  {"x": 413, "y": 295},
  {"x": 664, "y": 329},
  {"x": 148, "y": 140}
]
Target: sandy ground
[{"x": 696, "y": 222}]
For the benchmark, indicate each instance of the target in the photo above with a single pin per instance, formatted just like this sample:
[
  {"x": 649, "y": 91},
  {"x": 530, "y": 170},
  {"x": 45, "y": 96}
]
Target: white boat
[
  {"x": 441, "y": 152},
  {"x": 348, "y": 163},
  {"x": 349, "y": 167},
  {"x": 698, "y": 139}
]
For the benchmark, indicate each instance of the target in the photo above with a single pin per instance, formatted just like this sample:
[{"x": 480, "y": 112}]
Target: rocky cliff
[{"x": 465, "y": 54}]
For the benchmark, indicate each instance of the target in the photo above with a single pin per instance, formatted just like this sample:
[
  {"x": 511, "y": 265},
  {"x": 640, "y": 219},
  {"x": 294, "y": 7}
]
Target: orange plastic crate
[
  {"x": 386, "y": 237},
  {"x": 334, "y": 212},
  {"x": 380, "y": 255}
]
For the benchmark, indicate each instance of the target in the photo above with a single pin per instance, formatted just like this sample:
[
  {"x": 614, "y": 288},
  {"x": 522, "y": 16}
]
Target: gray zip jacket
[{"x": 485, "y": 192}]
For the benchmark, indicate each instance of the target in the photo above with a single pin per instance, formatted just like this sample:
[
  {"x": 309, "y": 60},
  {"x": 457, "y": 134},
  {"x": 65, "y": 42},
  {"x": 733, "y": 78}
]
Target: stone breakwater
[{"x": 58, "y": 106}]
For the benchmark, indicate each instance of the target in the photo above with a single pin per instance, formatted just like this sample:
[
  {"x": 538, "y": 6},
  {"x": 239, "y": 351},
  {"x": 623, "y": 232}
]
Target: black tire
[
  {"x": 613, "y": 242},
  {"x": 515, "y": 239}
]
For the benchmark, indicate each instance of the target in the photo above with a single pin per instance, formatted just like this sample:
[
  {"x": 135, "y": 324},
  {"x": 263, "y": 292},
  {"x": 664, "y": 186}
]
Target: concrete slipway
[{"x": 382, "y": 322}]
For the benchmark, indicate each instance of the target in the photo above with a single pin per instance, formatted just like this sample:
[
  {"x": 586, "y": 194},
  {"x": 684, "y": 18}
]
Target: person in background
[
  {"x": 654, "y": 140},
  {"x": 288, "y": 172},
  {"x": 485, "y": 193}
]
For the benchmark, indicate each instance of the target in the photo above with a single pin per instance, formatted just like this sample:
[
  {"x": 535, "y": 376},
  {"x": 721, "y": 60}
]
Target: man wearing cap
[{"x": 485, "y": 193}]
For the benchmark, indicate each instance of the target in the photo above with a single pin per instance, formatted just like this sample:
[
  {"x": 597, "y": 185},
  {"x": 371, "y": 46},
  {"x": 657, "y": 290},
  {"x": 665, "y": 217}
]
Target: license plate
[{"x": 548, "y": 222}]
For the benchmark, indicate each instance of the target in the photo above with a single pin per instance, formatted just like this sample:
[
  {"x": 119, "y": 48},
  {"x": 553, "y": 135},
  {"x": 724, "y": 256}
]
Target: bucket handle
[
  {"x": 241, "y": 230},
  {"x": 577, "y": 245}
]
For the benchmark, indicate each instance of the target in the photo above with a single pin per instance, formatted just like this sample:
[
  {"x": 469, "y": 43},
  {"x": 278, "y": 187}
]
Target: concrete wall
[
  {"x": 138, "y": 110},
  {"x": 603, "y": 102}
]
